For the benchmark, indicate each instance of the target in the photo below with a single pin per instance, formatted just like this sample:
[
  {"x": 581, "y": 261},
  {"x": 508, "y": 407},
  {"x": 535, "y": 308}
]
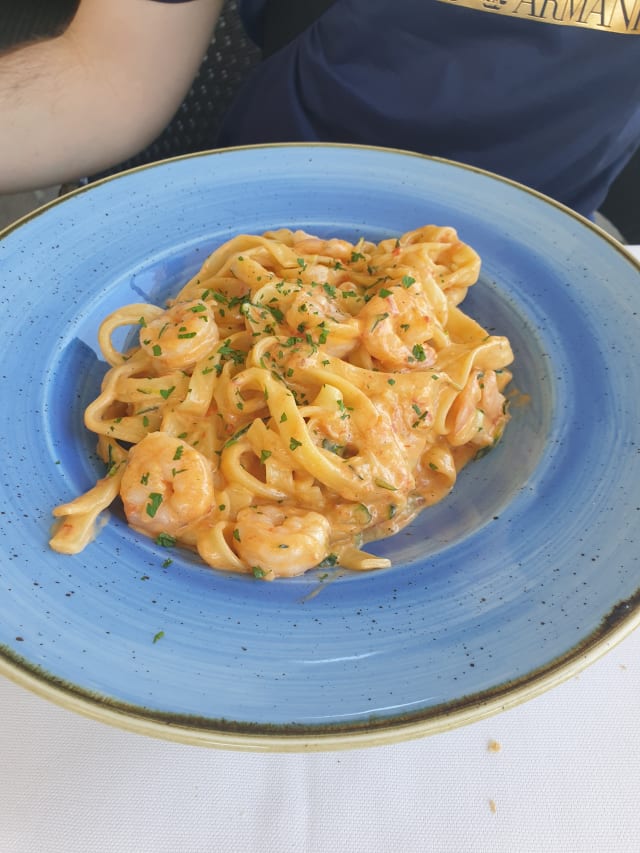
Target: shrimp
[
  {"x": 394, "y": 328},
  {"x": 477, "y": 415},
  {"x": 167, "y": 485},
  {"x": 313, "y": 312},
  {"x": 181, "y": 335},
  {"x": 281, "y": 541}
]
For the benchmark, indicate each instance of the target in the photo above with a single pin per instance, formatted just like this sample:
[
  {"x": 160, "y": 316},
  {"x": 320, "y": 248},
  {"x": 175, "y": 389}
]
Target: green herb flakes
[{"x": 155, "y": 499}]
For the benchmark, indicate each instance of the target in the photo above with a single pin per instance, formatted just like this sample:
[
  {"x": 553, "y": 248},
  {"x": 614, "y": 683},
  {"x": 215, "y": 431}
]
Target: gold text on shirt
[{"x": 614, "y": 16}]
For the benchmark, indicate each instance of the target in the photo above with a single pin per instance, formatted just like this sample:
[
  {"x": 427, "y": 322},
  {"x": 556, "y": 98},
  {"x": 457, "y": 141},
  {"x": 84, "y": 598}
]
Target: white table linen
[{"x": 563, "y": 775}]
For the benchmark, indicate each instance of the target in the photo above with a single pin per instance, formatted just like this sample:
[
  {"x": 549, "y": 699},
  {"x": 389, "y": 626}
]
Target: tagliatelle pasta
[{"x": 298, "y": 398}]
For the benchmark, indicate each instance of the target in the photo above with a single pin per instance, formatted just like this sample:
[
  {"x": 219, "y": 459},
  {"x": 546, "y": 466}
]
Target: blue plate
[{"x": 528, "y": 572}]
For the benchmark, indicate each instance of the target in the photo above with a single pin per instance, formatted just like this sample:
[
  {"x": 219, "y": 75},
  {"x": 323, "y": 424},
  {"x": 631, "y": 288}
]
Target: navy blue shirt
[{"x": 505, "y": 85}]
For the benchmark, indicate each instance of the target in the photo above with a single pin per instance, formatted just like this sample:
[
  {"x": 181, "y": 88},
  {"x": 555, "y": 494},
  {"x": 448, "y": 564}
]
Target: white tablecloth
[{"x": 560, "y": 773}]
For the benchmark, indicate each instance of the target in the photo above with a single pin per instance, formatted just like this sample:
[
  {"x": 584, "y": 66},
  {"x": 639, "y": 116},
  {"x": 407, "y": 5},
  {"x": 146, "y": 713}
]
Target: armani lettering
[{"x": 616, "y": 16}]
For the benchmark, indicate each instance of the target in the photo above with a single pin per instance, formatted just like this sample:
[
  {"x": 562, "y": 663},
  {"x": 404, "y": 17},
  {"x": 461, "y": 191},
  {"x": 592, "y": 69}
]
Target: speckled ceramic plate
[{"x": 528, "y": 572}]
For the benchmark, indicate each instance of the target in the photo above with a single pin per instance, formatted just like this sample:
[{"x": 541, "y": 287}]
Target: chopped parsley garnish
[
  {"x": 419, "y": 353},
  {"x": 228, "y": 352},
  {"x": 344, "y": 409},
  {"x": 421, "y": 415},
  {"x": 379, "y": 319},
  {"x": 155, "y": 499},
  {"x": 276, "y": 313},
  {"x": 384, "y": 485},
  {"x": 237, "y": 435}
]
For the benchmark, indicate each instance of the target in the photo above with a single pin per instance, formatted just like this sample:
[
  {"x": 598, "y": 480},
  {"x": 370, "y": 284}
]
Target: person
[
  {"x": 90, "y": 97},
  {"x": 545, "y": 92}
]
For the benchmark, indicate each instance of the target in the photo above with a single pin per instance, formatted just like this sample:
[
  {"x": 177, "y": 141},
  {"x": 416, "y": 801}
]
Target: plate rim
[{"x": 616, "y": 625}]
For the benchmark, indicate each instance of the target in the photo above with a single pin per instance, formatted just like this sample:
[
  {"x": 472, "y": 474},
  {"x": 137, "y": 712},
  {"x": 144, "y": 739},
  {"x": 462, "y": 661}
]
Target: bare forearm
[
  {"x": 93, "y": 96},
  {"x": 47, "y": 132}
]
